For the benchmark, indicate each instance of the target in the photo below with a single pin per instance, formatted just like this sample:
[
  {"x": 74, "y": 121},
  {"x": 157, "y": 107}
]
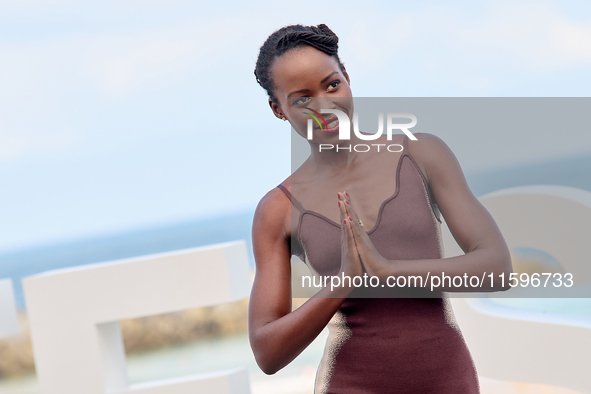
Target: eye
[
  {"x": 300, "y": 100},
  {"x": 333, "y": 85}
]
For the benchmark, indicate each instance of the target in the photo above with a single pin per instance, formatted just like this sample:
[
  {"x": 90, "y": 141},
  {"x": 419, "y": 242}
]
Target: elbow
[
  {"x": 497, "y": 271},
  {"x": 266, "y": 364},
  {"x": 507, "y": 271},
  {"x": 268, "y": 370},
  {"x": 264, "y": 356},
  {"x": 503, "y": 275},
  {"x": 504, "y": 286}
]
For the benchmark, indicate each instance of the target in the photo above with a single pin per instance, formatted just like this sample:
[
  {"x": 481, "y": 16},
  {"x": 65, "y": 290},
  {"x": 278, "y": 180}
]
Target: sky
[{"x": 117, "y": 115}]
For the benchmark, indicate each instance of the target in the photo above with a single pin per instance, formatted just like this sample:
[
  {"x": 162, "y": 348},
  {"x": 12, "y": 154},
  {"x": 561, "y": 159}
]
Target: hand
[
  {"x": 350, "y": 260},
  {"x": 375, "y": 264}
]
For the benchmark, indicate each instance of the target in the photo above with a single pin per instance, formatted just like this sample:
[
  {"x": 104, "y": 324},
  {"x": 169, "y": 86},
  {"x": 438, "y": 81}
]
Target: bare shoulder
[
  {"x": 431, "y": 154},
  {"x": 272, "y": 213}
]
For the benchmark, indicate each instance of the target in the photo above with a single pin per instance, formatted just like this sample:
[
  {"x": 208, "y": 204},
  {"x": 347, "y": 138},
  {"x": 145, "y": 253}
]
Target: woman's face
[{"x": 308, "y": 80}]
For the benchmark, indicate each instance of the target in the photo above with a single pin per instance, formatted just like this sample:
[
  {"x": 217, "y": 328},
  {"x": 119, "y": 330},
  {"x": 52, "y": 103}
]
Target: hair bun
[
  {"x": 326, "y": 30},
  {"x": 321, "y": 38},
  {"x": 290, "y": 37}
]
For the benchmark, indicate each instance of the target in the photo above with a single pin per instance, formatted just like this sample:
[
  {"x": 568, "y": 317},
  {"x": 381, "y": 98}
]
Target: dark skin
[{"x": 278, "y": 334}]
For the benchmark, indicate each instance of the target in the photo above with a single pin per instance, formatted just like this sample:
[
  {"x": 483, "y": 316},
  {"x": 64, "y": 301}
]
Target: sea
[
  {"x": 230, "y": 352},
  {"x": 17, "y": 264}
]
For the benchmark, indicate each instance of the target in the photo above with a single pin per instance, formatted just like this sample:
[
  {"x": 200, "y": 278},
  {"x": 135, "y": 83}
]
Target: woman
[{"x": 382, "y": 344}]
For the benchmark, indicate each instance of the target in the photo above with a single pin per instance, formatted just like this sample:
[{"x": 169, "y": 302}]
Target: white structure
[
  {"x": 517, "y": 345},
  {"x": 74, "y": 315},
  {"x": 8, "y": 317}
]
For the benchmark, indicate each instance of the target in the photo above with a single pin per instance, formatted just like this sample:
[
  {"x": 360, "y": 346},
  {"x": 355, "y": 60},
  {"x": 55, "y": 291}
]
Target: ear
[
  {"x": 276, "y": 110},
  {"x": 346, "y": 76}
]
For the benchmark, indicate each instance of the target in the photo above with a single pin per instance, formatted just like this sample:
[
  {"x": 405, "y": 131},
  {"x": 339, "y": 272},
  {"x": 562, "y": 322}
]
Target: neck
[{"x": 337, "y": 155}]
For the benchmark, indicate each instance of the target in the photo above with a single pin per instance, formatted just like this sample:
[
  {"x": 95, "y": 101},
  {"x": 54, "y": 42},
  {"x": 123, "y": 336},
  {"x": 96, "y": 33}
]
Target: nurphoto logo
[{"x": 342, "y": 125}]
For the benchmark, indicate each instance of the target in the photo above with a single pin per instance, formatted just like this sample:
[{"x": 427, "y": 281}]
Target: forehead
[{"x": 302, "y": 67}]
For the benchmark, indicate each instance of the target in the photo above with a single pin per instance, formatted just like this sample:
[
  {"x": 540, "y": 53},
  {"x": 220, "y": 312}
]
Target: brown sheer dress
[{"x": 383, "y": 344}]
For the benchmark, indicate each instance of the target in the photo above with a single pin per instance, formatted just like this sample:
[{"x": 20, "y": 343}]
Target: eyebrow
[
  {"x": 321, "y": 82},
  {"x": 329, "y": 75}
]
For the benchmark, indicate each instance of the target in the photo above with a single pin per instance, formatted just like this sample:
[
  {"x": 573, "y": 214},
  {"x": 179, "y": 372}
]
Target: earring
[{"x": 283, "y": 118}]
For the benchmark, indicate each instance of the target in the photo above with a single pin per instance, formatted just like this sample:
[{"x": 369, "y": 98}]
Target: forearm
[
  {"x": 280, "y": 341},
  {"x": 487, "y": 265}
]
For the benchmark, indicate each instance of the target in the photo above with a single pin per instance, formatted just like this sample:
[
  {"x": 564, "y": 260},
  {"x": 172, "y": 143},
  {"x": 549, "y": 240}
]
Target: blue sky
[{"x": 116, "y": 115}]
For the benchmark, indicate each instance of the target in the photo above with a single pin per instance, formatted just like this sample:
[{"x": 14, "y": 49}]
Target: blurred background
[{"x": 136, "y": 127}]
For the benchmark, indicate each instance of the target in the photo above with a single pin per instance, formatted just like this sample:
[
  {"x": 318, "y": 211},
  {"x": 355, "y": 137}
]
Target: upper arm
[
  {"x": 271, "y": 292},
  {"x": 468, "y": 220}
]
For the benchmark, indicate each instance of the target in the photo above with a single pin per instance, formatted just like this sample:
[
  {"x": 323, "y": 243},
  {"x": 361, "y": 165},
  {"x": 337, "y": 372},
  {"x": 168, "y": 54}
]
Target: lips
[{"x": 332, "y": 123}]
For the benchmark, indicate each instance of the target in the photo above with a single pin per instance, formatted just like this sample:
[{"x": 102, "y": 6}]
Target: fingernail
[
  {"x": 347, "y": 194},
  {"x": 338, "y": 195},
  {"x": 347, "y": 201},
  {"x": 344, "y": 221},
  {"x": 350, "y": 218},
  {"x": 339, "y": 203}
]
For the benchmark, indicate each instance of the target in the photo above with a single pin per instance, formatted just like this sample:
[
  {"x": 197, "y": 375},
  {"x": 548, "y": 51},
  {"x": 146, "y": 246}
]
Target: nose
[
  {"x": 324, "y": 102},
  {"x": 320, "y": 103}
]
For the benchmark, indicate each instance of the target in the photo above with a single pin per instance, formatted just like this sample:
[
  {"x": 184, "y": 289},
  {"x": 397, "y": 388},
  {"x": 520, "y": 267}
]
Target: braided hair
[{"x": 290, "y": 37}]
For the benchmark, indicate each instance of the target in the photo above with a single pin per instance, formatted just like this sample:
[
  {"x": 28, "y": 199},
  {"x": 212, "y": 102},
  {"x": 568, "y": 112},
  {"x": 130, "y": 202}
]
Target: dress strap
[
  {"x": 292, "y": 198},
  {"x": 404, "y": 144}
]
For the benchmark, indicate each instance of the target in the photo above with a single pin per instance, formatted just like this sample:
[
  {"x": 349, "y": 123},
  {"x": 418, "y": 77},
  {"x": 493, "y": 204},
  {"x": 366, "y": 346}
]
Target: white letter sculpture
[
  {"x": 8, "y": 320},
  {"x": 74, "y": 316},
  {"x": 520, "y": 345}
]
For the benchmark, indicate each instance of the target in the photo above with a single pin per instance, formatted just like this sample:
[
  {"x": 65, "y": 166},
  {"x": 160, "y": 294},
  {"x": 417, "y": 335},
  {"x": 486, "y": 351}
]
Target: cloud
[
  {"x": 49, "y": 73},
  {"x": 125, "y": 63},
  {"x": 31, "y": 5},
  {"x": 18, "y": 144},
  {"x": 535, "y": 36},
  {"x": 532, "y": 36},
  {"x": 463, "y": 49}
]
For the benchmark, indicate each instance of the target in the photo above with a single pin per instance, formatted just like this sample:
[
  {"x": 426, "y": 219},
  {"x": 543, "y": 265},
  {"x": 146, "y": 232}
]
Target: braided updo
[{"x": 288, "y": 38}]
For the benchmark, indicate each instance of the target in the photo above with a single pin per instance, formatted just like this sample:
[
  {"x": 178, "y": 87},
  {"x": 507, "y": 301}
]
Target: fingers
[
  {"x": 358, "y": 231},
  {"x": 347, "y": 221},
  {"x": 343, "y": 215},
  {"x": 344, "y": 221},
  {"x": 343, "y": 207}
]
